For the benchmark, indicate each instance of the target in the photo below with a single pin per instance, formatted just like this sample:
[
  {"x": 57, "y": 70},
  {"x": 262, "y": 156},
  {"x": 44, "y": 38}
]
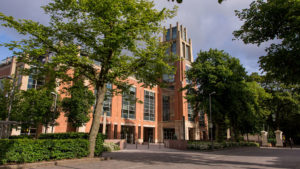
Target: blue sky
[{"x": 209, "y": 25}]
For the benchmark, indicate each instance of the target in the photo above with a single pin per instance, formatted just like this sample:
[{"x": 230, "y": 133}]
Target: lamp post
[
  {"x": 210, "y": 121},
  {"x": 55, "y": 94}
]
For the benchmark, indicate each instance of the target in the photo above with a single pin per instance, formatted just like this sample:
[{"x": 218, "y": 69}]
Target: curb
[{"x": 51, "y": 163}]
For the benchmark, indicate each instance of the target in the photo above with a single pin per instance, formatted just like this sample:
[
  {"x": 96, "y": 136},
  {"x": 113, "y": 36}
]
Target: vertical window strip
[
  {"x": 129, "y": 104},
  {"x": 149, "y": 105}
]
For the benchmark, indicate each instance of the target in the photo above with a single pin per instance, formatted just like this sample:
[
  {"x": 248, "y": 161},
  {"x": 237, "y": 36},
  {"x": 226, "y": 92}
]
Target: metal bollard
[
  {"x": 136, "y": 146},
  {"x": 149, "y": 143}
]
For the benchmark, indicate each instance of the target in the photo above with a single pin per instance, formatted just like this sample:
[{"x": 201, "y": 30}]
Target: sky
[{"x": 209, "y": 25}]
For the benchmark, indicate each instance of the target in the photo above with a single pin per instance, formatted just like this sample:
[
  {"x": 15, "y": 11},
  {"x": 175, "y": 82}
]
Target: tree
[
  {"x": 236, "y": 102},
  {"x": 36, "y": 107},
  {"x": 274, "y": 20},
  {"x": 5, "y": 98},
  {"x": 283, "y": 106},
  {"x": 120, "y": 35},
  {"x": 78, "y": 106}
]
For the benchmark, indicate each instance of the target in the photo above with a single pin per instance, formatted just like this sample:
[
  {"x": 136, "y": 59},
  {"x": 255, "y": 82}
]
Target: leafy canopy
[
  {"x": 77, "y": 105},
  {"x": 274, "y": 20},
  {"x": 236, "y": 103},
  {"x": 121, "y": 36}
]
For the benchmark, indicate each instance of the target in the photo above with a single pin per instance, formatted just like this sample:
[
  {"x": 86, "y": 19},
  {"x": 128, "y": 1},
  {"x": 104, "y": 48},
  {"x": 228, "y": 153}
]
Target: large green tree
[
  {"x": 36, "y": 107},
  {"x": 283, "y": 106},
  {"x": 77, "y": 105},
  {"x": 236, "y": 102},
  {"x": 121, "y": 36},
  {"x": 277, "y": 20}
]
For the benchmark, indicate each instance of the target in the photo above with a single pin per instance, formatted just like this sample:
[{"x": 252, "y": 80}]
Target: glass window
[
  {"x": 168, "y": 78},
  {"x": 173, "y": 47},
  {"x": 201, "y": 118},
  {"x": 166, "y": 108},
  {"x": 168, "y": 35},
  {"x": 149, "y": 105},
  {"x": 187, "y": 53},
  {"x": 190, "y": 112},
  {"x": 174, "y": 33},
  {"x": 34, "y": 83},
  {"x": 107, "y": 100},
  {"x": 183, "y": 49},
  {"x": 128, "y": 104},
  {"x": 187, "y": 67}
]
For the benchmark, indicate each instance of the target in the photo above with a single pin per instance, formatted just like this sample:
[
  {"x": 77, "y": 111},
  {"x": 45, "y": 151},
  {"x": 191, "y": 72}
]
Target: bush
[
  {"x": 70, "y": 135},
  {"x": 30, "y": 150},
  {"x": 76, "y": 135},
  {"x": 110, "y": 147},
  {"x": 204, "y": 145},
  {"x": 21, "y": 137}
]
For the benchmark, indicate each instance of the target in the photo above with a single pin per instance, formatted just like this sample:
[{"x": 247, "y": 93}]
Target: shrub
[
  {"x": 30, "y": 150},
  {"x": 76, "y": 135},
  {"x": 110, "y": 147},
  {"x": 21, "y": 137},
  {"x": 204, "y": 145}
]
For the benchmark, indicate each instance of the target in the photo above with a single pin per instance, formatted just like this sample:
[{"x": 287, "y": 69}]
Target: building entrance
[
  {"x": 169, "y": 134},
  {"x": 191, "y": 133},
  {"x": 149, "y": 134},
  {"x": 128, "y": 133}
]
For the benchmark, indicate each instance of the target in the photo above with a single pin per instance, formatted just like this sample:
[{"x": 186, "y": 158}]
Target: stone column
[
  {"x": 264, "y": 138},
  {"x": 279, "y": 142}
]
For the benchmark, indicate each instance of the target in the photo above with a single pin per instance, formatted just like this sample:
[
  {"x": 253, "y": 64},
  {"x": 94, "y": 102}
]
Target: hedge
[
  {"x": 77, "y": 135},
  {"x": 22, "y": 149},
  {"x": 196, "y": 145},
  {"x": 32, "y": 150}
]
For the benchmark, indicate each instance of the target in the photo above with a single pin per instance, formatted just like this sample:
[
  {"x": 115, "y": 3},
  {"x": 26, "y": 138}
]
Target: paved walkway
[{"x": 162, "y": 158}]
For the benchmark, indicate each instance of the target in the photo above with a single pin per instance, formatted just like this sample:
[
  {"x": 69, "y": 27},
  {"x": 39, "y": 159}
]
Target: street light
[
  {"x": 55, "y": 94},
  {"x": 210, "y": 121}
]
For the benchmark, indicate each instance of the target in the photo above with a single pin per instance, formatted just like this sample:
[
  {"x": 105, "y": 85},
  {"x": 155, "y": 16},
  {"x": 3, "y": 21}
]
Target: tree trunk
[{"x": 96, "y": 119}]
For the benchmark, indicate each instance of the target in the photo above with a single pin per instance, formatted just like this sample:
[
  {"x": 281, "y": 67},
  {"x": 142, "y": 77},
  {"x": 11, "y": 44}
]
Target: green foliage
[
  {"x": 236, "y": 104},
  {"x": 75, "y": 135},
  {"x": 5, "y": 96},
  {"x": 202, "y": 145},
  {"x": 32, "y": 150},
  {"x": 69, "y": 135},
  {"x": 109, "y": 147},
  {"x": 21, "y": 137},
  {"x": 78, "y": 106},
  {"x": 36, "y": 107},
  {"x": 120, "y": 35},
  {"x": 279, "y": 20}
]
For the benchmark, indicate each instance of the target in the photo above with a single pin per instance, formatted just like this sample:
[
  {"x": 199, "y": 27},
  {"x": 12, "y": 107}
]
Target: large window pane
[
  {"x": 149, "y": 105},
  {"x": 190, "y": 112},
  {"x": 173, "y": 47},
  {"x": 107, "y": 100},
  {"x": 168, "y": 35},
  {"x": 166, "y": 108},
  {"x": 129, "y": 104},
  {"x": 174, "y": 33}
]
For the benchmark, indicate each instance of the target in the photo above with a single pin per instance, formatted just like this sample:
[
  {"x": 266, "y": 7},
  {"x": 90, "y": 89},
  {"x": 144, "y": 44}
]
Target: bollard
[
  {"x": 136, "y": 145},
  {"x": 149, "y": 143}
]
